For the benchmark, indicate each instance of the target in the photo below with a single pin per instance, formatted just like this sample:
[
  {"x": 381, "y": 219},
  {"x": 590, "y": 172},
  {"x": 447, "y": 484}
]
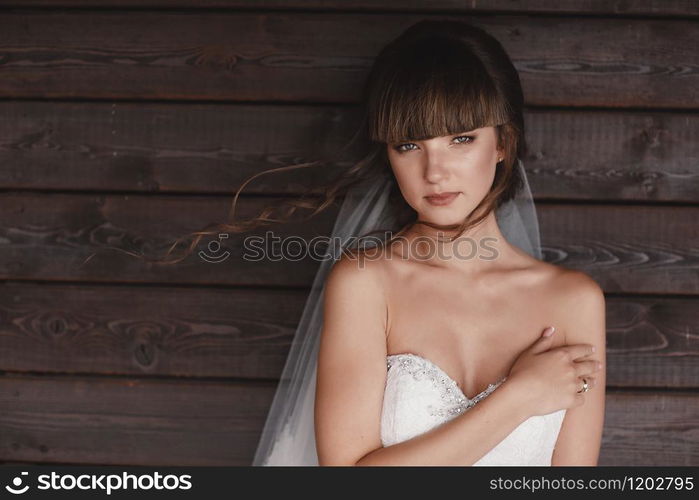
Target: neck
[{"x": 480, "y": 248}]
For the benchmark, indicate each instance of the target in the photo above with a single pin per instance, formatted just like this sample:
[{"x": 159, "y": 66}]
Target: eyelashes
[{"x": 398, "y": 147}]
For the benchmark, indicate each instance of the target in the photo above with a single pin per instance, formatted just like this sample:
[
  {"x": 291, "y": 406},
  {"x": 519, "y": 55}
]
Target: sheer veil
[{"x": 288, "y": 436}]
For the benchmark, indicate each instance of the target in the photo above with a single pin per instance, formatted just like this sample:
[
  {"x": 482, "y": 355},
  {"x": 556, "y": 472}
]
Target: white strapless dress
[{"x": 420, "y": 396}]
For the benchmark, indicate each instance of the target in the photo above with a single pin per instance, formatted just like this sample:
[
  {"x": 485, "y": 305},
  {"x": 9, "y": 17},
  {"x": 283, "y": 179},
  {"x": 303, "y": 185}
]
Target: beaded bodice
[{"x": 419, "y": 395}]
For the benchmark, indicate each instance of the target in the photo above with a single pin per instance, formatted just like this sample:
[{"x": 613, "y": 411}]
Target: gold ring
[{"x": 585, "y": 386}]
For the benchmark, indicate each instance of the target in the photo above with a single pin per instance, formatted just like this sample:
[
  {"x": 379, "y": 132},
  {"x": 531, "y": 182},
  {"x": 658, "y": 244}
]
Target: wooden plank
[
  {"x": 634, "y": 249},
  {"x": 625, "y": 248},
  {"x": 212, "y": 332},
  {"x": 213, "y": 148},
  {"x": 182, "y": 422},
  {"x": 649, "y": 429},
  {"x": 131, "y": 421},
  {"x": 587, "y": 155},
  {"x": 149, "y": 147},
  {"x": 613, "y": 7},
  {"x": 562, "y": 61},
  {"x": 116, "y": 227},
  {"x": 652, "y": 342},
  {"x": 160, "y": 331}
]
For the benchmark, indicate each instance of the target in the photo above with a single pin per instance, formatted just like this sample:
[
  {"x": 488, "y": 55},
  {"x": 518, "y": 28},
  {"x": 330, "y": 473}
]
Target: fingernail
[
  {"x": 549, "y": 331},
  {"x": 594, "y": 348}
]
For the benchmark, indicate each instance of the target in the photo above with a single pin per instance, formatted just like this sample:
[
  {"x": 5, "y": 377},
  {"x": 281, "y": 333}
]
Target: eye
[
  {"x": 399, "y": 147},
  {"x": 470, "y": 137},
  {"x": 467, "y": 139}
]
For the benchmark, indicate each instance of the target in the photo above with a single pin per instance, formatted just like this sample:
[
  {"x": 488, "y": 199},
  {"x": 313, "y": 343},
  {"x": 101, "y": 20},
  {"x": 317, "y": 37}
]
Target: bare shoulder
[
  {"x": 356, "y": 278},
  {"x": 561, "y": 282},
  {"x": 576, "y": 287},
  {"x": 581, "y": 303},
  {"x": 576, "y": 302},
  {"x": 358, "y": 272}
]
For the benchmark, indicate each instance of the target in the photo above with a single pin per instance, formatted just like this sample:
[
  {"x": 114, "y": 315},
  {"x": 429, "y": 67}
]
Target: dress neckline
[{"x": 449, "y": 379}]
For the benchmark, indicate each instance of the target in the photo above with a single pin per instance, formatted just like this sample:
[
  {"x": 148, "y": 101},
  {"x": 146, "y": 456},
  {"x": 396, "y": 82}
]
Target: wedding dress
[{"x": 419, "y": 396}]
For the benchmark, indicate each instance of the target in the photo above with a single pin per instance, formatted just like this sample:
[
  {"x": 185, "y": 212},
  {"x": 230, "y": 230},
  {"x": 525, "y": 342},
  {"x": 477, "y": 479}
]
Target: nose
[{"x": 435, "y": 170}]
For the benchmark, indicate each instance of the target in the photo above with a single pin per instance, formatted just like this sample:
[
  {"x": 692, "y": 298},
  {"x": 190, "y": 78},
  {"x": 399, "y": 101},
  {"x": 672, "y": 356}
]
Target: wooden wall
[{"x": 131, "y": 122}]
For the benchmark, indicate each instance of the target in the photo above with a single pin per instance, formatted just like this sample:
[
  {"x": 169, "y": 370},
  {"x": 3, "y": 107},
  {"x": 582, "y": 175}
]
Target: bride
[
  {"x": 451, "y": 342},
  {"x": 434, "y": 348}
]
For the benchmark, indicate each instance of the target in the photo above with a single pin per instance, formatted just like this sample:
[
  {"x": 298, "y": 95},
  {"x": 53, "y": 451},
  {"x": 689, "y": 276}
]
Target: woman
[
  {"x": 428, "y": 358},
  {"x": 451, "y": 342}
]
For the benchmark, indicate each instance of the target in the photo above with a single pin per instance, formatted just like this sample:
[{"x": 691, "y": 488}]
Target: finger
[
  {"x": 584, "y": 368},
  {"x": 544, "y": 341},
  {"x": 578, "y": 350}
]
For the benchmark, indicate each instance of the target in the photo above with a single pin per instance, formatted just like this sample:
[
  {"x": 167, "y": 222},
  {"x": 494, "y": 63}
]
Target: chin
[
  {"x": 443, "y": 219},
  {"x": 445, "y": 216}
]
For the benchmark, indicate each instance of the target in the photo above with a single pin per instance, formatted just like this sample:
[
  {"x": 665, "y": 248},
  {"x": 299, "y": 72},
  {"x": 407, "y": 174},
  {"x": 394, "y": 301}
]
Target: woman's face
[{"x": 462, "y": 163}]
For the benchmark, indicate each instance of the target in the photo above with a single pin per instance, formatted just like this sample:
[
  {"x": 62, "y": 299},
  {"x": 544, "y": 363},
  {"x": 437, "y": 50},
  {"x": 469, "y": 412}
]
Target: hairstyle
[{"x": 439, "y": 77}]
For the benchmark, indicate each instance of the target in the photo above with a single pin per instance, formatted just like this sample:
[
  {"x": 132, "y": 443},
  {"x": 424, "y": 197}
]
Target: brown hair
[{"x": 439, "y": 77}]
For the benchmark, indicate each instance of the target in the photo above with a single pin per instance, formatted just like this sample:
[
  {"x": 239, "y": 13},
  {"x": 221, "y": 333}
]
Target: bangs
[{"x": 433, "y": 88}]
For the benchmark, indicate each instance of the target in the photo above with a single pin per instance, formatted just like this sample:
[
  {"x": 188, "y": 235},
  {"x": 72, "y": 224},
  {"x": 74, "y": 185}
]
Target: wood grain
[
  {"x": 319, "y": 57},
  {"x": 129, "y": 421}
]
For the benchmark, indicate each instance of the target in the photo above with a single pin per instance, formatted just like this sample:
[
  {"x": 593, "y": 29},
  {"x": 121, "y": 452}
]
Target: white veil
[{"x": 288, "y": 436}]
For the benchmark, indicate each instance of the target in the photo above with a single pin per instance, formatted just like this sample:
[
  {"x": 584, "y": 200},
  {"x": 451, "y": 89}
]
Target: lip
[{"x": 442, "y": 199}]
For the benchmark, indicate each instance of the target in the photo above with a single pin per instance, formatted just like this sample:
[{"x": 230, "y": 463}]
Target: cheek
[
  {"x": 480, "y": 178},
  {"x": 409, "y": 185}
]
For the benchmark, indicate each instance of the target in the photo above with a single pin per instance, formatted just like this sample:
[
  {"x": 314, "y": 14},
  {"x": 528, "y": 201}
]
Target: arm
[
  {"x": 462, "y": 440},
  {"x": 580, "y": 437},
  {"x": 351, "y": 381}
]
